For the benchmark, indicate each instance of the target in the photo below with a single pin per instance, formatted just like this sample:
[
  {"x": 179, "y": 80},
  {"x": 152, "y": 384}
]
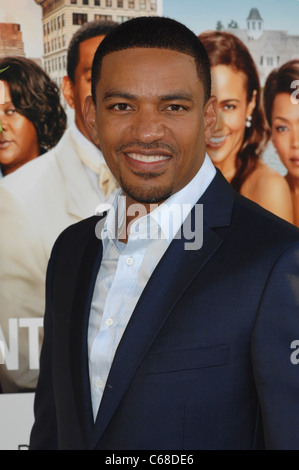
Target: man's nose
[{"x": 148, "y": 126}]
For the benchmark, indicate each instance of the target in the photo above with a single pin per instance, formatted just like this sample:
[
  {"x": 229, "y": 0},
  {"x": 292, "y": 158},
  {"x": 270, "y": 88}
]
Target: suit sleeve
[
  {"x": 275, "y": 334},
  {"x": 22, "y": 287},
  {"x": 44, "y": 431}
]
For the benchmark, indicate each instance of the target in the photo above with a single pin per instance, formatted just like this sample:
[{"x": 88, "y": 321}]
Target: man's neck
[{"x": 81, "y": 128}]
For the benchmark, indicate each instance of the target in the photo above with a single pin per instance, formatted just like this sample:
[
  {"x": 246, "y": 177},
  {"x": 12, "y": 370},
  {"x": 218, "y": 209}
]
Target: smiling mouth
[
  {"x": 217, "y": 141},
  {"x": 147, "y": 163},
  {"x": 4, "y": 143},
  {"x": 147, "y": 158}
]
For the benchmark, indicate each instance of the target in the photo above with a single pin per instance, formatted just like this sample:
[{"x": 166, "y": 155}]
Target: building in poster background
[
  {"x": 11, "y": 40},
  {"x": 62, "y": 18},
  {"x": 269, "y": 48}
]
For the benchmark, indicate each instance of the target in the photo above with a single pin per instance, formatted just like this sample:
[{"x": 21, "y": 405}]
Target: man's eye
[
  {"x": 121, "y": 107},
  {"x": 175, "y": 107},
  {"x": 11, "y": 111}
]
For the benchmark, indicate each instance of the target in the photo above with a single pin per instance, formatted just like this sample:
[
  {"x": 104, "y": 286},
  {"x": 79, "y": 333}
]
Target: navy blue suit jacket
[{"x": 205, "y": 361}]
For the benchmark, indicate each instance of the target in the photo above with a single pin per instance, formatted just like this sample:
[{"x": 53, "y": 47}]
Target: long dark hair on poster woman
[
  {"x": 32, "y": 117},
  {"x": 241, "y": 134}
]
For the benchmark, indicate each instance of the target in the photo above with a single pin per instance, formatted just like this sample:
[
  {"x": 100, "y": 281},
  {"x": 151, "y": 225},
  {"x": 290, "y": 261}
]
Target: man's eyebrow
[
  {"x": 119, "y": 94},
  {"x": 177, "y": 95}
]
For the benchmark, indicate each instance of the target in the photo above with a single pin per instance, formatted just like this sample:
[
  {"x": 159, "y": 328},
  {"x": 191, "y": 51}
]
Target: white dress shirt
[{"x": 126, "y": 268}]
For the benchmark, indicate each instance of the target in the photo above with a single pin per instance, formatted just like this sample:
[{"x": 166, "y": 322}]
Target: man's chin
[{"x": 146, "y": 195}]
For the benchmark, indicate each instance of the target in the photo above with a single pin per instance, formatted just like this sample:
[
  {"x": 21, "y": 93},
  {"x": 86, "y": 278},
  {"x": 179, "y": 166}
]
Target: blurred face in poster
[
  {"x": 285, "y": 131},
  {"x": 229, "y": 85},
  {"x": 18, "y": 140},
  {"x": 76, "y": 92}
]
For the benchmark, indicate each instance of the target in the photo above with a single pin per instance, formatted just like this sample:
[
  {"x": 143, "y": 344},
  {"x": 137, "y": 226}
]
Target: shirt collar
[
  {"x": 172, "y": 213},
  {"x": 168, "y": 216},
  {"x": 86, "y": 146}
]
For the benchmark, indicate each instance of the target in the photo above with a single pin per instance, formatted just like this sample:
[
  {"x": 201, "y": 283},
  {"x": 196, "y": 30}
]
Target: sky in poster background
[{"x": 198, "y": 15}]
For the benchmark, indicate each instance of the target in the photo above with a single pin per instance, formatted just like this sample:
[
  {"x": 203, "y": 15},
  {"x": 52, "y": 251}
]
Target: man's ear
[
  {"x": 67, "y": 88},
  {"x": 210, "y": 117},
  {"x": 89, "y": 115}
]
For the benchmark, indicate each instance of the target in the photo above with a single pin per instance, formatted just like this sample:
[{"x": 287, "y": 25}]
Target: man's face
[
  {"x": 75, "y": 93},
  {"x": 151, "y": 121}
]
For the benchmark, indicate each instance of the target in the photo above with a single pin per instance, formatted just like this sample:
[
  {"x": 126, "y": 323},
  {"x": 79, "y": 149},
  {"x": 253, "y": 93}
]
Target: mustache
[{"x": 146, "y": 146}]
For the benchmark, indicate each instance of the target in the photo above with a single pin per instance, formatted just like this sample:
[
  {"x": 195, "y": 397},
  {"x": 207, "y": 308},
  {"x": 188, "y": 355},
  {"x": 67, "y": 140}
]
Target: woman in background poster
[
  {"x": 240, "y": 135},
  {"x": 31, "y": 115},
  {"x": 282, "y": 112}
]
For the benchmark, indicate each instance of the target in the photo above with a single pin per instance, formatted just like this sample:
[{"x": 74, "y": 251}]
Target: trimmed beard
[{"x": 142, "y": 194}]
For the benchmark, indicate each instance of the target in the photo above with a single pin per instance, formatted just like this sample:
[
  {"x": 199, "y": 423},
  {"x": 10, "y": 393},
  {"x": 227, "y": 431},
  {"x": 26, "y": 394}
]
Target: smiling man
[
  {"x": 149, "y": 345},
  {"x": 161, "y": 126}
]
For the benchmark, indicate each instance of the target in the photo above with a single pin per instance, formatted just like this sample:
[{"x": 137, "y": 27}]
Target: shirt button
[
  {"x": 99, "y": 383},
  {"x": 129, "y": 261},
  {"x": 109, "y": 322}
]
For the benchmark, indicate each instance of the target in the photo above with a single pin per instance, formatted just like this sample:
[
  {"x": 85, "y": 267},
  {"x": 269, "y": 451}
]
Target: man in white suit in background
[{"x": 37, "y": 202}]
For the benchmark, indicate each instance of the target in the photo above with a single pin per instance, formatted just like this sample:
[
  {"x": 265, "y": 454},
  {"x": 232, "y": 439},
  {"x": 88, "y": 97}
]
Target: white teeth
[
  {"x": 146, "y": 158},
  {"x": 217, "y": 140}
]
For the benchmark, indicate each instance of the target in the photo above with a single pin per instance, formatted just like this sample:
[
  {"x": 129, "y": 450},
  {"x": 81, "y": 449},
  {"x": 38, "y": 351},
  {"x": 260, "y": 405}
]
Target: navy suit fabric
[{"x": 204, "y": 362}]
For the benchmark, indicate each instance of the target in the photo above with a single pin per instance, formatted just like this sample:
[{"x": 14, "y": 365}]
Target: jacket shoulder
[
  {"x": 33, "y": 174},
  {"x": 77, "y": 235},
  {"x": 261, "y": 224}
]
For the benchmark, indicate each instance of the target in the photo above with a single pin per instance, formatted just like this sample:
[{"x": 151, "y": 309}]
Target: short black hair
[
  {"x": 36, "y": 97},
  {"x": 87, "y": 31},
  {"x": 154, "y": 32}
]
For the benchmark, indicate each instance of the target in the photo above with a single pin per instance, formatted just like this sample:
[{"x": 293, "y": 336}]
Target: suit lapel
[{"x": 171, "y": 278}]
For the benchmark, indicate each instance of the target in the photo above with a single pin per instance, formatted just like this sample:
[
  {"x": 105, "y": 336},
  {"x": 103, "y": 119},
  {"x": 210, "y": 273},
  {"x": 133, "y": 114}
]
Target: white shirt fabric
[
  {"x": 90, "y": 151},
  {"x": 126, "y": 268},
  {"x": 37, "y": 202}
]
